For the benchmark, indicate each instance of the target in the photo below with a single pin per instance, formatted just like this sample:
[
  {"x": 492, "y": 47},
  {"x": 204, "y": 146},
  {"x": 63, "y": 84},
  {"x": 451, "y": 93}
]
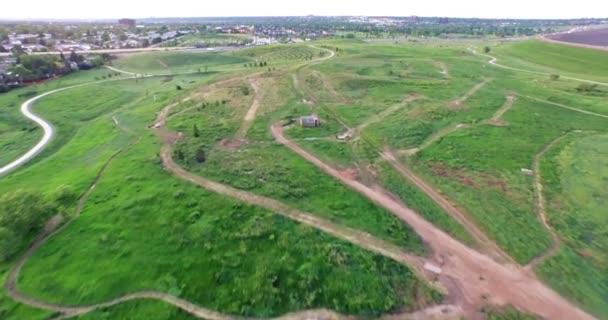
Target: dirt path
[
  {"x": 251, "y": 113},
  {"x": 496, "y": 118},
  {"x": 387, "y": 112},
  {"x": 566, "y": 107},
  {"x": 540, "y": 206},
  {"x": 48, "y": 232},
  {"x": 487, "y": 245},
  {"x": 123, "y": 71},
  {"x": 458, "y": 102},
  {"x": 475, "y": 278},
  {"x": 444, "y": 69},
  {"x": 433, "y": 138},
  {"x": 493, "y": 61}
]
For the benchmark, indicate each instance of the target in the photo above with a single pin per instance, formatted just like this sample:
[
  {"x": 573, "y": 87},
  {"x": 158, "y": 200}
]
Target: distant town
[{"x": 78, "y": 41}]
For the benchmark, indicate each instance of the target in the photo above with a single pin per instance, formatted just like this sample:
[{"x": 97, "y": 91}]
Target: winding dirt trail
[
  {"x": 51, "y": 230},
  {"x": 540, "y": 206},
  {"x": 566, "y": 107},
  {"x": 497, "y": 117},
  {"x": 458, "y": 102},
  {"x": 353, "y": 236},
  {"x": 251, "y": 113},
  {"x": 487, "y": 245},
  {"x": 477, "y": 278},
  {"x": 388, "y": 111},
  {"x": 493, "y": 61}
]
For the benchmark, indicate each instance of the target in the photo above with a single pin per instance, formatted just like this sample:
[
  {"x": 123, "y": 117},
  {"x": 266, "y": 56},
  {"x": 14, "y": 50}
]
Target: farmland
[
  {"x": 594, "y": 37},
  {"x": 199, "y": 185}
]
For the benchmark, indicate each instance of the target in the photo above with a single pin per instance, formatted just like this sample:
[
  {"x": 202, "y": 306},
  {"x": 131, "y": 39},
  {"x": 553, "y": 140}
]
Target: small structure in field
[
  {"x": 527, "y": 172},
  {"x": 311, "y": 121}
]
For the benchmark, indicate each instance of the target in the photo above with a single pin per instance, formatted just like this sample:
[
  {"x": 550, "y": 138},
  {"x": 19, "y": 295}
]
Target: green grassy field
[
  {"x": 143, "y": 229},
  {"x": 576, "y": 179},
  {"x": 555, "y": 58},
  {"x": 143, "y": 224},
  {"x": 171, "y": 62}
]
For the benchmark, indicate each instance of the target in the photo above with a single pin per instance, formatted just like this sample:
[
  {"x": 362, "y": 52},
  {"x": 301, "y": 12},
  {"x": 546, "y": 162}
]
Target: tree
[
  {"x": 554, "y": 77},
  {"x": 195, "y": 131},
  {"x": 178, "y": 87},
  {"x": 105, "y": 37},
  {"x": 20, "y": 214},
  {"x": 486, "y": 49},
  {"x": 200, "y": 155},
  {"x": 73, "y": 56}
]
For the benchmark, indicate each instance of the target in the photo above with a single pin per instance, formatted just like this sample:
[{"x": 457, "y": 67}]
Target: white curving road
[
  {"x": 46, "y": 138},
  {"x": 46, "y": 127}
]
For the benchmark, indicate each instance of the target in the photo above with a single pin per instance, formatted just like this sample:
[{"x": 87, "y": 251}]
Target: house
[
  {"x": 129, "y": 23},
  {"x": 311, "y": 121}
]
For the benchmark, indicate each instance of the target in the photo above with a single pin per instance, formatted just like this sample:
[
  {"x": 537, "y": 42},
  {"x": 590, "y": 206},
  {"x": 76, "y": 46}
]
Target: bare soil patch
[{"x": 232, "y": 143}]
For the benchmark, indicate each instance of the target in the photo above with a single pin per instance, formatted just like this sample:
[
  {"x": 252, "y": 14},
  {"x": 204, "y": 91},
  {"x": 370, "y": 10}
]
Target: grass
[
  {"x": 555, "y": 58},
  {"x": 575, "y": 183},
  {"x": 18, "y": 134},
  {"x": 171, "y": 62},
  {"x": 139, "y": 236},
  {"x": 140, "y": 228},
  {"x": 139, "y": 310}
]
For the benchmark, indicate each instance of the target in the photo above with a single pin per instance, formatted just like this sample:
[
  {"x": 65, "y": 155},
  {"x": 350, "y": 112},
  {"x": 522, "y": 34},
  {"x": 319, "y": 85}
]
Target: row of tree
[
  {"x": 21, "y": 215},
  {"x": 30, "y": 68}
]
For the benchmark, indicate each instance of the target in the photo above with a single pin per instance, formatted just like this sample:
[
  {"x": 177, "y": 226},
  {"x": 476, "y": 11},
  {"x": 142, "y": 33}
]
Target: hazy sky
[{"x": 72, "y": 9}]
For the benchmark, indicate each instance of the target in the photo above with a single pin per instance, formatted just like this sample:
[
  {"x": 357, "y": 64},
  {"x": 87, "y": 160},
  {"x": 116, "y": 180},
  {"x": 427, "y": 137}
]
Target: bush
[
  {"x": 587, "y": 87},
  {"x": 554, "y": 77},
  {"x": 21, "y": 213}
]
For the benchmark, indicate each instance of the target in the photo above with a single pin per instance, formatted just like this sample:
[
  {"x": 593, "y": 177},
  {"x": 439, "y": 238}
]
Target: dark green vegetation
[
  {"x": 507, "y": 314},
  {"x": 22, "y": 214}
]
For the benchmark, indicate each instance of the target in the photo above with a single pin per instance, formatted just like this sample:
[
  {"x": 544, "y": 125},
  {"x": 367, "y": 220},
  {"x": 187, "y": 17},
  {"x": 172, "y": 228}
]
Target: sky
[{"x": 112, "y": 9}]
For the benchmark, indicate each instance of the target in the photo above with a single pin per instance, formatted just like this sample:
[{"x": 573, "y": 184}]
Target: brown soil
[
  {"x": 231, "y": 143},
  {"x": 497, "y": 117},
  {"x": 498, "y": 123},
  {"x": 475, "y": 278},
  {"x": 350, "y": 173},
  {"x": 251, "y": 113}
]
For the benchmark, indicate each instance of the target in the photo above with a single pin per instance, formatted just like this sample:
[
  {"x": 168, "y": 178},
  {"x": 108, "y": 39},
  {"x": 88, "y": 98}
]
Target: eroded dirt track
[
  {"x": 488, "y": 245},
  {"x": 540, "y": 206},
  {"x": 477, "y": 278}
]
